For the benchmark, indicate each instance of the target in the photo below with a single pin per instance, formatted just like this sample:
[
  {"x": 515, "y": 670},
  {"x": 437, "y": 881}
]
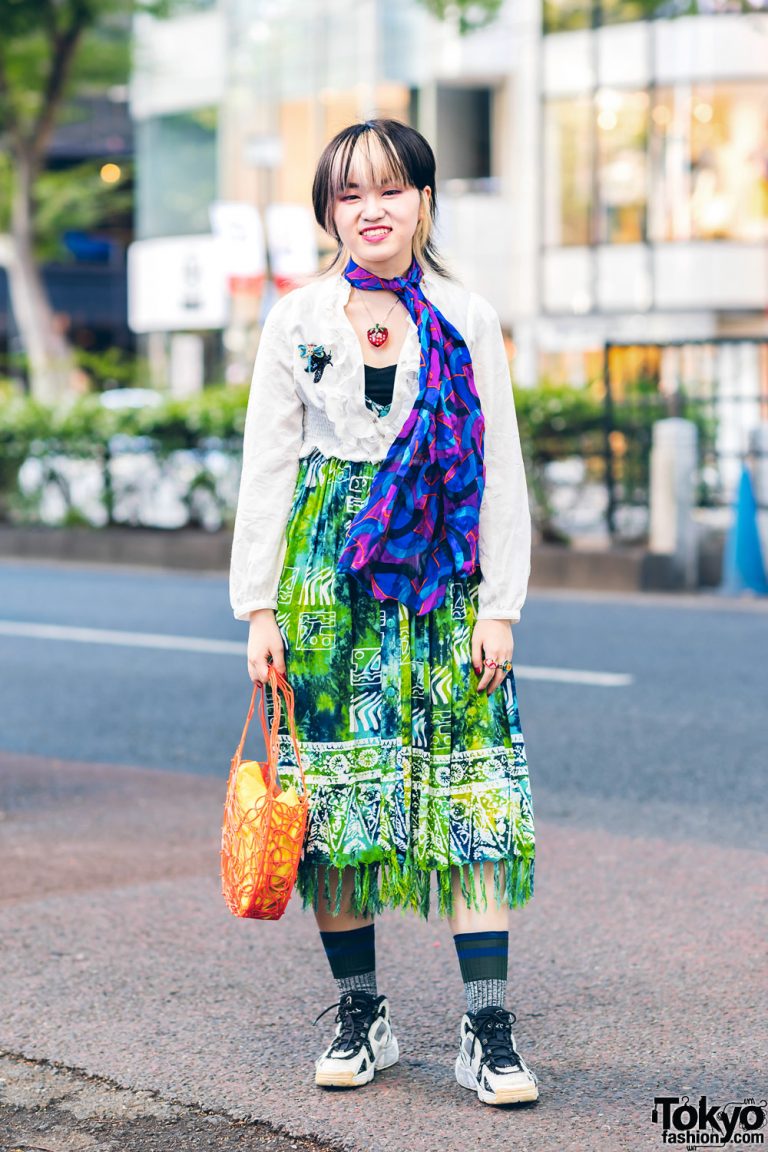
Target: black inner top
[{"x": 380, "y": 383}]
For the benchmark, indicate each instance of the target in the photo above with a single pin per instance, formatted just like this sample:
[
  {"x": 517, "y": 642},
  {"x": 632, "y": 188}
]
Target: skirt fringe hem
[{"x": 396, "y": 883}]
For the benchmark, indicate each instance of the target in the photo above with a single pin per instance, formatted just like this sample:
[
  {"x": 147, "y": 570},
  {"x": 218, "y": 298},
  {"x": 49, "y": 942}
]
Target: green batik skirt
[{"x": 409, "y": 769}]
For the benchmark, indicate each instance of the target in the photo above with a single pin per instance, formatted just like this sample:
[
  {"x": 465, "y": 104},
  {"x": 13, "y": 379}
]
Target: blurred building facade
[
  {"x": 654, "y": 162},
  {"x": 603, "y": 165}
]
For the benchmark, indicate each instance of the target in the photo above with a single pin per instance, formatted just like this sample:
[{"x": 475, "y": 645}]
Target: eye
[{"x": 392, "y": 192}]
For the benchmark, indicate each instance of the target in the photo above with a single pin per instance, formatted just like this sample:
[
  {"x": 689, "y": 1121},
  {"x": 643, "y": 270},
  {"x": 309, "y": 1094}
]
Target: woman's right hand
[{"x": 264, "y": 639}]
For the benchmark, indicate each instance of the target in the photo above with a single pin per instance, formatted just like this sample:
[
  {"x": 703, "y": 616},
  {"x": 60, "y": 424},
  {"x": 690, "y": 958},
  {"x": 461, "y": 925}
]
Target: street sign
[
  {"x": 238, "y": 226},
  {"x": 176, "y": 284},
  {"x": 292, "y": 243}
]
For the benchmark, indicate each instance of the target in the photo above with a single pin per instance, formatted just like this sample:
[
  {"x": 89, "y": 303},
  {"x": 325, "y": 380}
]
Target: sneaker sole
[
  {"x": 466, "y": 1078},
  {"x": 389, "y": 1055}
]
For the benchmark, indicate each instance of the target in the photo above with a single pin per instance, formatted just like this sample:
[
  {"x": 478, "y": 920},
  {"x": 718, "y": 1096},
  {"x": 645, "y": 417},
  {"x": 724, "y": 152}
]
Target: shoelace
[
  {"x": 494, "y": 1030},
  {"x": 355, "y": 1013}
]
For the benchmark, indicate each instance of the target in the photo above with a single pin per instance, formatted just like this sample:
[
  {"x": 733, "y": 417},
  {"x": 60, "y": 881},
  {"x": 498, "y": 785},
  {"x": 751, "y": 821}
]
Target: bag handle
[{"x": 278, "y": 684}]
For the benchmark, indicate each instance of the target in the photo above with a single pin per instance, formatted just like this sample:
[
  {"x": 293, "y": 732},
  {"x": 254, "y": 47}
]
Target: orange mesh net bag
[{"x": 262, "y": 837}]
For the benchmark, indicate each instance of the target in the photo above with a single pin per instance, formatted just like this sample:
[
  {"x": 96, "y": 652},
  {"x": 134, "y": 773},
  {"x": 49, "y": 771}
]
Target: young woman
[{"x": 381, "y": 554}]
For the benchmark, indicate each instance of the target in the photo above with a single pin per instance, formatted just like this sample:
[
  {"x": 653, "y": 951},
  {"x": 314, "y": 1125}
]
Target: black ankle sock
[{"x": 352, "y": 957}]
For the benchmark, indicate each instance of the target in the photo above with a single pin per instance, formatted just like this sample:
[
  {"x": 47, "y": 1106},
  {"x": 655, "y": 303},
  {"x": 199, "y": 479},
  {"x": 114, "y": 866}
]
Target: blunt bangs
[{"x": 367, "y": 158}]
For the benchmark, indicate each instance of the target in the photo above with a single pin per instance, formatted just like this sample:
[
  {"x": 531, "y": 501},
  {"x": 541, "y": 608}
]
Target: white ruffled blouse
[{"x": 289, "y": 415}]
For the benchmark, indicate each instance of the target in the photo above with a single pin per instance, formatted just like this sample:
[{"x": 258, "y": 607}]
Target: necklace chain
[{"x": 380, "y": 322}]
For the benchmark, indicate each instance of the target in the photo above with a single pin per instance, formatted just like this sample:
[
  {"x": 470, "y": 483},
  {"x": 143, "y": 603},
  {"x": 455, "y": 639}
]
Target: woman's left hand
[{"x": 491, "y": 640}]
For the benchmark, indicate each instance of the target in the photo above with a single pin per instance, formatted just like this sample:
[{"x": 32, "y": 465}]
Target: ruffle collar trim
[{"x": 341, "y": 389}]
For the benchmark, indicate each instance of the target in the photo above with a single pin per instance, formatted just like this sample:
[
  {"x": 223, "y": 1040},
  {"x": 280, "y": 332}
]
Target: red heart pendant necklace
[{"x": 379, "y": 334}]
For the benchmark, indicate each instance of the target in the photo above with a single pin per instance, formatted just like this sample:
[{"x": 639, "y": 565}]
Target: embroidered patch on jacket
[{"x": 318, "y": 358}]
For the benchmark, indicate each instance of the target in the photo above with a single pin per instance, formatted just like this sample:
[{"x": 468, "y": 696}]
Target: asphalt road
[
  {"x": 680, "y": 751},
  {"x": 637, "y": 969}
]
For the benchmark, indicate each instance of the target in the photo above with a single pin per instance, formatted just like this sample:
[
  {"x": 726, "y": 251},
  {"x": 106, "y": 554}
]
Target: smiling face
[
  {"x": 377, "y": 224},
  {"x": 376, "y": 211}
]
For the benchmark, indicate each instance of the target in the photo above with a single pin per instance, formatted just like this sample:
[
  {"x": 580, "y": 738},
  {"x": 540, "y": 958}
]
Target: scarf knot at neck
[
  {"x": 419, "y": 526},
  {"x": 366, "y": 281}
]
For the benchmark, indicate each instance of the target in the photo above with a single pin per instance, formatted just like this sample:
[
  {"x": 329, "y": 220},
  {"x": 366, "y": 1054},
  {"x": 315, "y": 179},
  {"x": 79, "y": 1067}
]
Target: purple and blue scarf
[{"x": 420, "y": 524}]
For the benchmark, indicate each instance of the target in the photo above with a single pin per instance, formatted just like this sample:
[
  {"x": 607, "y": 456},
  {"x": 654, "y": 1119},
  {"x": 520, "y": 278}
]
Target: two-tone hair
[{"x": 382, "y": 151}]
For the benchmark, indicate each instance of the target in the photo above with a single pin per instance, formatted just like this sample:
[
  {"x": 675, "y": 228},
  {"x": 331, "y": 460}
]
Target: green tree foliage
[
  {"x": 50, "y": 51},
  {"x": 74, "y": 198},
  {"x": 468, "y": 15}
]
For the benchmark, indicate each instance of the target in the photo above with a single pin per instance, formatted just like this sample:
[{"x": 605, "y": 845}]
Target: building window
[
  {"x": 175, "y": 173},
  {"x": 566, "y": 15},
  {"x": 595, "y": 165},
  {"x": 568, "y": 172},
  {"x": 626, "y": 11},
  {"x": 710, "y": 162},
  {"x": 464, "y": 133},
  {"x": 622, "y": 150},
  {"x": 693, "y": 165}
]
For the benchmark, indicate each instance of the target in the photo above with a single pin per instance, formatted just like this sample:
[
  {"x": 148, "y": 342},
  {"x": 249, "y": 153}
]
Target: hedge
[{"x": 555, "y": 421}]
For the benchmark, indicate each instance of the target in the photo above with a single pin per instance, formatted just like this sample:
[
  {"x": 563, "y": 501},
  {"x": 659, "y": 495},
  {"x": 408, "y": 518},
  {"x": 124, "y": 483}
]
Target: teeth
[{"x": 375, "y": 231}]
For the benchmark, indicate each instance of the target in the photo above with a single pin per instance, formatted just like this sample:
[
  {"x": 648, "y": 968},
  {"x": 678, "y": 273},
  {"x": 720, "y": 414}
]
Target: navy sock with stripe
[
  {"x": 352, "y": 957},
  {"x": 483, "y": 959}
]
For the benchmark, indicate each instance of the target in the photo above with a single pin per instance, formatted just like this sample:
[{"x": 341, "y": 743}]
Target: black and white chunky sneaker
[
  {"x": 363, "y": 1045},
  {"x": 488, "y": 1061}
]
